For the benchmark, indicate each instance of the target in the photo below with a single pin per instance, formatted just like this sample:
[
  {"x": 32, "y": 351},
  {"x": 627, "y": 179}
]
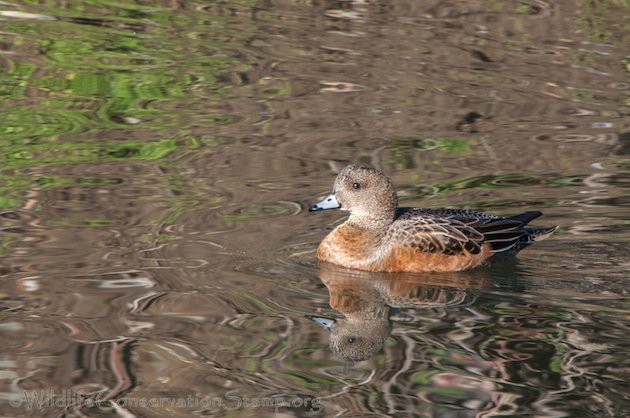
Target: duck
[{"x": 380, "y": 236}]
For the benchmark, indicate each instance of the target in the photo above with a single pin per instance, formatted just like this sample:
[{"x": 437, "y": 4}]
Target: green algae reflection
[{"x": 100, "y": 82}]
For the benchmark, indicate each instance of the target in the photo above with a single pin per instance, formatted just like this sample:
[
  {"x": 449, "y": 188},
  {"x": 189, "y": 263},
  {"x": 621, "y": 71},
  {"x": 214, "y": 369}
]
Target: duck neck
[{"x": 370, "y": 221}]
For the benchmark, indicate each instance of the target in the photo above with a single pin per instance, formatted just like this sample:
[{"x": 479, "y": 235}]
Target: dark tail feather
[
  {"x": 526, "y": 217},
  {"x": 511, "y": 240}
]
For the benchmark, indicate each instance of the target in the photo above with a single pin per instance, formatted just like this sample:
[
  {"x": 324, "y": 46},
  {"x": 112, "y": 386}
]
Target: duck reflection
[{"x": 369, "y": 301}]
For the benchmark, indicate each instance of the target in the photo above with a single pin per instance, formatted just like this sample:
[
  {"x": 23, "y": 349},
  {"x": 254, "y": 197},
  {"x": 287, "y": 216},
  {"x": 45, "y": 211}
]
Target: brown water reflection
[
  {"x": 457, "y": 350},
  {"x": 177, "y": 281},
  {"x": 366, "y": 301}
]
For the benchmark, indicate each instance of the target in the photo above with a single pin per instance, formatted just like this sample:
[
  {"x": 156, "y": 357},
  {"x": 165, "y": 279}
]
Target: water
[{"x": 157, "y": 159}]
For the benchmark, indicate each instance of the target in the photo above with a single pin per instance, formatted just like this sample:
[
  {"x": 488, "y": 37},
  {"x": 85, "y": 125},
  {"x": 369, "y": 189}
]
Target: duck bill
[
  {"x": 330, "y": 202},
  {"x": 323, "y": 321}
]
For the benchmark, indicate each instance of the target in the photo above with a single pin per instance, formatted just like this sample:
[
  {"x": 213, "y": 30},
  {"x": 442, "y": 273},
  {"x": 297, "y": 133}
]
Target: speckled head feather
[{"x": 367, "y": 194}]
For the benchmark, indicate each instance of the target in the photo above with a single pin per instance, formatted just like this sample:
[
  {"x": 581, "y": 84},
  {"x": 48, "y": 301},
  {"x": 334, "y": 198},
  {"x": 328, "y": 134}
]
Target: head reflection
[{"x": 368, "y": 301}]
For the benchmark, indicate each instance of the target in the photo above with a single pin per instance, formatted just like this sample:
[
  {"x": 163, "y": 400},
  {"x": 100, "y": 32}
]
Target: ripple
[
  {"x": 256, "y": 211},
  {"x": 28, "y": 124},
  {"x": 24, "y": 15},
  {"x": 340, "y": 87}
]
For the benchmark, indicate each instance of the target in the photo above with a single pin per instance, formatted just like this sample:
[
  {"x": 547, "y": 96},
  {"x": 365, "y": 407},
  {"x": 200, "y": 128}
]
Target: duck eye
[
  {"x": 351, "y": 339},
  {"x": 356, "y": 186}
]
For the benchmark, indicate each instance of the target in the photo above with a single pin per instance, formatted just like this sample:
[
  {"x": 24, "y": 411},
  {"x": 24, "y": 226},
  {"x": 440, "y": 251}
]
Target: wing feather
[
  {"x": 460, "y": 231},
  {"x": 438, "y": 235}
]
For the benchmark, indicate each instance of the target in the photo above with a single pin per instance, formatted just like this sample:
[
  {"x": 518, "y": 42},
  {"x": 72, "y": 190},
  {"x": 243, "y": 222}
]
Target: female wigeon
[{"x": 380, "y": 236}]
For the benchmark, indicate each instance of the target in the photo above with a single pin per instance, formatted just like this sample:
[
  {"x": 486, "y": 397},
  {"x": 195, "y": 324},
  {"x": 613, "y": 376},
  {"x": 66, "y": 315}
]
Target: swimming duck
[{"x": 379, "y": 236}]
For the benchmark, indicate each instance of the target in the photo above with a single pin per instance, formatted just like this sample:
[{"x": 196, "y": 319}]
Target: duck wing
[
  {"x": 459, "y": 231},
  {"x": 437, "y": 235},
  {"x": 410, "y": 213}
]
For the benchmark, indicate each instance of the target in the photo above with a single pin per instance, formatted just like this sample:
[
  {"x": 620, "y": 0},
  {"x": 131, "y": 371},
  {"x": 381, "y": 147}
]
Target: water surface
[{"x": 156, "y": 161}]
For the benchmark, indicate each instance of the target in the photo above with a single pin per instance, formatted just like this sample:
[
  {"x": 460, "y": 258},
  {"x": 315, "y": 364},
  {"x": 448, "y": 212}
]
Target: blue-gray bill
[
  {"x": 323, "y": 321},
  {"x": 330, "y": 202}
]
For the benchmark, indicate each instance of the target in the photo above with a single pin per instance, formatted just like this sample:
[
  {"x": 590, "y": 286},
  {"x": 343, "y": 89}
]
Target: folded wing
[{"x": 457, "y": 232}]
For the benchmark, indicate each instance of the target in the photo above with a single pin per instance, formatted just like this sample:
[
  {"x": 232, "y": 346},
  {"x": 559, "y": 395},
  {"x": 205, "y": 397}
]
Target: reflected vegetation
[{"x": 156, "y": 161}]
